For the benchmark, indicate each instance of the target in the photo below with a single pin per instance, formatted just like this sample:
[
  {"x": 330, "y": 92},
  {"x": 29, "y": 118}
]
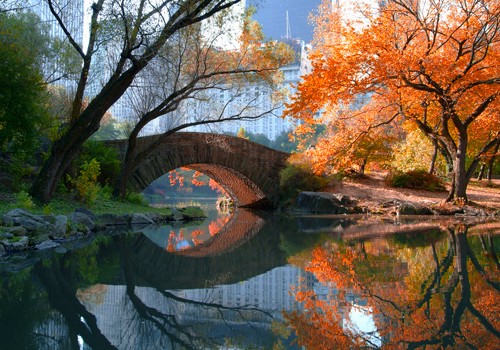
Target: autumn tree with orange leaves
[{"x": 433, "y": 64}]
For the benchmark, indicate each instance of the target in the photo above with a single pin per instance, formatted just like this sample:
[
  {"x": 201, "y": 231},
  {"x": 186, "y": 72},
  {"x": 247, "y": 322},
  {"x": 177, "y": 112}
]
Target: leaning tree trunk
[
  {"x": 62, "y": 153},
  {"x": 481, "y": 172}
]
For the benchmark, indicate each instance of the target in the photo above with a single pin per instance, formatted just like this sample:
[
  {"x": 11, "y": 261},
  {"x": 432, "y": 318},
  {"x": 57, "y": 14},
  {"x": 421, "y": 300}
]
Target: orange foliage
[
  {"x": 434, "y": 64},
  {"x": 445, "y": 299},
  {"x": 215, "y": 226}
]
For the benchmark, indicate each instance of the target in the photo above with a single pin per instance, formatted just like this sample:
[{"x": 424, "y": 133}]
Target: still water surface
[{"x": 253, "y": 280}]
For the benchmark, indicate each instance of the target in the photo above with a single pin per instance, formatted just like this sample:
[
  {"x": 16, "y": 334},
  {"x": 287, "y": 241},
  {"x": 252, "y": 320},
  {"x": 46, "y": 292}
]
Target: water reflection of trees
[
  {"x": 442, "y": 294},
  {"x": 147, "y": 315}
]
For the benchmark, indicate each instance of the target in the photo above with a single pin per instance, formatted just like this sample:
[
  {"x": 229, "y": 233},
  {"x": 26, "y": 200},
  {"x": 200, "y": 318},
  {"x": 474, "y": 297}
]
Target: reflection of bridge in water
[
  {"x": 248, "y": 171},
  {"x": 233, "y": 255},
  {"x": 241, "y": 227}
]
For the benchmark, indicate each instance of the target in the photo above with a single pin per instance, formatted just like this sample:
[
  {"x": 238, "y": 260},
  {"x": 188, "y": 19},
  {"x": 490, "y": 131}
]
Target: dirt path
[{"x": 372, "y": 190}]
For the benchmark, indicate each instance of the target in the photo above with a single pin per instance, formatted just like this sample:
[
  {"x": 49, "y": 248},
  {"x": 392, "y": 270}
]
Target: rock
[
  {"x": 155, "y": 217},
  {"x": 112, "y": 220},
  {"x": 60, "y": 226},
  {"x": 192, "y": 213},
  {"x": 45, "y": 230},
  {"x": 17, "y": 244},
  {"x": 321, "y": 203},
  {"x": 140, "y": 219},
  {"x": 5, "y": 235},
  {"x": 80, "y": 219},
  {"x": 177, "y": 215},
  {"x": 21, "y": 217},
  {"x": 48, "y": 244},
  {"x": 87, "y": 212},
  {"x": 17, "y": 230},
  {"x": 407, "y": 208},
  {"x": 2, "y": 250}
]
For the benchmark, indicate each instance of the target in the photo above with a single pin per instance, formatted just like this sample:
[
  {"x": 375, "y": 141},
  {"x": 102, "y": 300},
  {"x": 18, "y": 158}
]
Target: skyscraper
[
  {"x": 72, "y": 16},
  {"x": 285, "y": 18}
]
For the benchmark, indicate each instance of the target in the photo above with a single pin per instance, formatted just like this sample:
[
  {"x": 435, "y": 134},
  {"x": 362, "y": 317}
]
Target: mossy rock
[{"x": 192, "y": 213}]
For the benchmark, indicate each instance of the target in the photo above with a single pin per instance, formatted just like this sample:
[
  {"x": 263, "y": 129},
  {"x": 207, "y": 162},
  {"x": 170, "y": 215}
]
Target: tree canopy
[
  {"x": 433, "y": 65},
  {"x": 22, "y": 96}
]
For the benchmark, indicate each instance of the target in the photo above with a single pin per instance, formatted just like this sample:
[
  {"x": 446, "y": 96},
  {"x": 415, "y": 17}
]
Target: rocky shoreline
[
  {"x": 336, "y": 203},
  {"x": 22, "y": 231}
]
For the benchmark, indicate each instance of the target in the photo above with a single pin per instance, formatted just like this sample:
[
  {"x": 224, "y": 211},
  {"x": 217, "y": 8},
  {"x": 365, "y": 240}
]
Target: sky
[{"x": 271, "y": 14}]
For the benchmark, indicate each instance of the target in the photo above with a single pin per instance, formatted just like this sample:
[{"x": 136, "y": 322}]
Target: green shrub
[
  {"x": 295, "y": 179},
  {"x": 136, "y": 198},
  {"x": 47, "y": 209},
  {"x": 415, "y": 179},
  {"x": 107, "y": 158},
  {"x": 105, "y": 192},
  {"x": 86, "y": 184},
  {"x": 24, "y": 200}
]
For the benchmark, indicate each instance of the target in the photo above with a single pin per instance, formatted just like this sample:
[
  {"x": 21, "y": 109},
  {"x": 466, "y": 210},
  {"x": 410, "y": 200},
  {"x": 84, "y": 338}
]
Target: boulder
[
  {"x": 21, "y": 217},
  {"x": 60, "y": 226},
  {"x": 87, "y": 212},
  {"x": 140, "y": 219},
  {"x": 17, "y": 230},
  {"x": 321, "y": 203},
  {"x": 112, "y": 220},
  {"x": 17, "y": 244},
  {"x": 408, "y": 208},
  {"x": 48, "y": 244},
  {"x": 155, "y": 217},
  {"x": 82, "y": 219}
]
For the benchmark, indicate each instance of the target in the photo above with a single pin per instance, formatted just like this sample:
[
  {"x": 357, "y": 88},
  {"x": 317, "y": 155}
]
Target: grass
[{"x": 66, "y": 204}]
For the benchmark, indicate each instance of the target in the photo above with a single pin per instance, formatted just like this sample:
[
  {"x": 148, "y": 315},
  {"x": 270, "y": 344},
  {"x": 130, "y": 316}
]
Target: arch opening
[{"x": 243, "y": 192}]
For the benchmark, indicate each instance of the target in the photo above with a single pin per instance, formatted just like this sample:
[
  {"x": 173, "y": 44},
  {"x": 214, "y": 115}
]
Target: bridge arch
[{"x": 248, "y": 171}]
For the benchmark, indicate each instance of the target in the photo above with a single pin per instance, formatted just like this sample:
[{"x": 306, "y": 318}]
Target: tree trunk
[
  {"x": 491, "y": 161},
  {"x": 434, "y": 156},
  {"x": 63, "y": 152},
  {"x": 120, "y": 189},
  {"x": 481, "y": 172},
  {"x": 461, "y": 180},
  {"x": 362, "y": 167}
]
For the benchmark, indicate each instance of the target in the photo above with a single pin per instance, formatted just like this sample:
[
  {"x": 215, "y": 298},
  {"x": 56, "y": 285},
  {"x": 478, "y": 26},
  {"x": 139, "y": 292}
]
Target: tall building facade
[
  {"x": 255, "y": 99},
  {"x": 72, "y": 14}
]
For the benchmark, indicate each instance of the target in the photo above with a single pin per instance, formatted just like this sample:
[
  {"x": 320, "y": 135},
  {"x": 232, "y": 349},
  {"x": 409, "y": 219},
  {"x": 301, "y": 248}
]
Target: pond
[{"x": 260, "y": 280}]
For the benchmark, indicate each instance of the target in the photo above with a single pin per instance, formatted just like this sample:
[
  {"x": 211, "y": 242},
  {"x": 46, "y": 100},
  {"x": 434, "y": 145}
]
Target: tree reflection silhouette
[
  {"x": 443, "y": 295},
  {"x": 69, "y": 281}
]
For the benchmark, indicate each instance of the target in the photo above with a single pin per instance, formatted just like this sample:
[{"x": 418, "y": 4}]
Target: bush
[
  {"x": 295, "y": 179},
  {"x": 107, "y": 158},
  {"x": 24, "y": 200},
  {"x": 415, "y": 179},
  {"x": 136, "y": 198},
  {"x": 86, "y": 184}
]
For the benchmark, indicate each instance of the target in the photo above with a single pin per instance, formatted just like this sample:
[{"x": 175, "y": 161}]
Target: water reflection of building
[
  {"x": 120, "y": 317},
  {"x": 53, "y": 333},
  {"x": 269, "y": 291}
]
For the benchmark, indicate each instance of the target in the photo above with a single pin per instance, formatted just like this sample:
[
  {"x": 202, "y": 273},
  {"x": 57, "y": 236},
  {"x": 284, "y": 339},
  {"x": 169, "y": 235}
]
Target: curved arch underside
[
  {"x": 248, "y": 171},
  {"x": 242, "y": 190}
]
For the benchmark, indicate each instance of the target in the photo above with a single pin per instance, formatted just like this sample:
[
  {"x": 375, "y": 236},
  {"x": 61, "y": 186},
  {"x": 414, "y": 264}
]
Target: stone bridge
[{"x": 248, "y": 171}]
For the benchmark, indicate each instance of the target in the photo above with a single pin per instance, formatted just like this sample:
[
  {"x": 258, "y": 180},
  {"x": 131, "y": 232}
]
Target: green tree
[{"x": 22, "y": 96}]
